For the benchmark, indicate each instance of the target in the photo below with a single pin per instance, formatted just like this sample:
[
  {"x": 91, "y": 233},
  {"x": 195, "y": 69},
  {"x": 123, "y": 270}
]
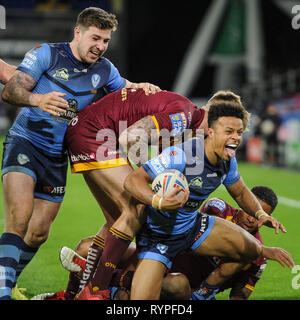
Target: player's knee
[
  {"x": 36, "y": 238},
  {"x": 175, "y": 286},
  {"x": 82, "y": 248}
]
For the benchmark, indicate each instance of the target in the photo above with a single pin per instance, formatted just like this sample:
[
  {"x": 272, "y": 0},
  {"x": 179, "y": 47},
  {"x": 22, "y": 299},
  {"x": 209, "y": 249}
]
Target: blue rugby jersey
[
  {"x": 54, "y": 68},
  {"x": 203, "y": 178}
]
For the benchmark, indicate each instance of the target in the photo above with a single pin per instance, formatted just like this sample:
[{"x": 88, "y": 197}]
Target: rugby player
[
  {"x": 53, "y": 83},
  {"x": 94, "y": 151},
  {"x": 188, "y": 270},
  {"x": 243, "y": 282},
  {"x": 172, "y": 228}
]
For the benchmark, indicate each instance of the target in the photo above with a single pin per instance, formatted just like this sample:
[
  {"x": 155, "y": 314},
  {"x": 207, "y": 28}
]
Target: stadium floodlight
[{"x": 2, "y": 18}]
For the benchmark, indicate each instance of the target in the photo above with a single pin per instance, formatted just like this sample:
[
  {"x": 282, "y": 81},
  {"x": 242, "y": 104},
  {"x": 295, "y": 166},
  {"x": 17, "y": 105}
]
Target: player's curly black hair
[
  {"x": 227, "y": 104},
  {"x": 267, "y": 195},
  {"x": 227, "y": 109}
]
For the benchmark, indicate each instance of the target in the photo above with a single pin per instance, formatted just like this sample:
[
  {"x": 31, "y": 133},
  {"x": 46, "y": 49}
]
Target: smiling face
[
  {"x": 90, "y": 43},
  {"x": 224, "y": 137},
  {"x": 248, "y": 222}
]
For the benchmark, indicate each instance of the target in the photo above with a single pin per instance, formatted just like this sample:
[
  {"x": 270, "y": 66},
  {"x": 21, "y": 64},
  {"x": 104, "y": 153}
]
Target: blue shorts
[
  {"x": 165, "y": 247},
  {"x": 48, "y": 171}
]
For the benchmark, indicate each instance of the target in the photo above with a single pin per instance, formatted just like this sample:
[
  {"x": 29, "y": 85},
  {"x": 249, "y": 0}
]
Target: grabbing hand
[
  {"x": 173, "y": 200},
  {"x": 53, "y": 103},
  {"x": 270, "y": 222},
  {"x": 147, "y": 87},
  {"x": 279, "y": 255}
]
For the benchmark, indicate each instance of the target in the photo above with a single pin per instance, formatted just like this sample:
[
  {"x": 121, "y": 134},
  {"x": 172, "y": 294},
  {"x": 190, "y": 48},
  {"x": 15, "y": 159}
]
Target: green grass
[{"x": 80, "y": 217}]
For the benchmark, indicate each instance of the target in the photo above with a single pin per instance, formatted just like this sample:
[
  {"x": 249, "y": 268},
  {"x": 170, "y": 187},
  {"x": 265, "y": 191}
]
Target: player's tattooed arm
[
  {"x": 17, "y": 90},
  {"x": 134, "y": 140},
  {"x": 142, "y": 131}
]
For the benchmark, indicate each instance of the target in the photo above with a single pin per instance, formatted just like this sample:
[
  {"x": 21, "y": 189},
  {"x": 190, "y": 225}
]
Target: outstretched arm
[{"x": 249, "y": 203}]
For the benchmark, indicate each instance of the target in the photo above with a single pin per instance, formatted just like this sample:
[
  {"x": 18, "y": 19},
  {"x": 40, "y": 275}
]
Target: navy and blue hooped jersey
[
  {"x": 203, "y": 178},
  {"x": 54, "y": 68}
]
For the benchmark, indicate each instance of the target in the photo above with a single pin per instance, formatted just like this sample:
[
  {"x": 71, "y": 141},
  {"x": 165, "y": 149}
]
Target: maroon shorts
[{"x": 92, "y": 144}]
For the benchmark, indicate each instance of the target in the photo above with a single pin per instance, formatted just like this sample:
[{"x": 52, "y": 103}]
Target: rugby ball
[{"x": 167, "y": 181}]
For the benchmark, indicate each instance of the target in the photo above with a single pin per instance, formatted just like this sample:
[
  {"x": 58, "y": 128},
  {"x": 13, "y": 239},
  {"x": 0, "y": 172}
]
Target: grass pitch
[{"x": 80, "y": 217}]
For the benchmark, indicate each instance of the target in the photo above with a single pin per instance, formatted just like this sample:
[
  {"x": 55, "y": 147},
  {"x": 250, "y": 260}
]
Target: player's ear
[
  {"x": 76, "y": 32},
  {"x": 210, "y": 132}
]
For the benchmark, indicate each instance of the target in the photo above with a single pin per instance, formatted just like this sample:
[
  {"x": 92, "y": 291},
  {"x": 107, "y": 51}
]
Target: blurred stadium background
[{"x": 194, "y": 48}]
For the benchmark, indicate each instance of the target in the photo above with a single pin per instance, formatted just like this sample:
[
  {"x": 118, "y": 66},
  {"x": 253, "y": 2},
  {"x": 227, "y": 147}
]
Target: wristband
[
  {"x": 155, "y": 203},
  {"x": 159, "y": 203},
  {"x": 258, "y": 216}
]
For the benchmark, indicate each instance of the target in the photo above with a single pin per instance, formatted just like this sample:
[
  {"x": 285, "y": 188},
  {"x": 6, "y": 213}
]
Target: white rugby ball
[{"x": 167, "y": 181}]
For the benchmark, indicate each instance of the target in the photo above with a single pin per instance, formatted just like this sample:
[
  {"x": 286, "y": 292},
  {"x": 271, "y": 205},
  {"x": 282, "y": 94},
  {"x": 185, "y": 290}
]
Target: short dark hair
[
  {"x": 267, "y": 195},
  {"x": 226, "y": 104},
  {"x": 97, "y": 17}
]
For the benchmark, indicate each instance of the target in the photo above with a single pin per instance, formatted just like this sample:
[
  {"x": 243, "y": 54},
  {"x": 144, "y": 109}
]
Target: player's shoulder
[
  {"x": 43, "y": 47},
  {"x": 171, "y": 158}
]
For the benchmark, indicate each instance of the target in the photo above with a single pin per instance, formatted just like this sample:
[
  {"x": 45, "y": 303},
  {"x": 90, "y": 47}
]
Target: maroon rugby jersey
[
  {"x": 132, "y": 105},
  {"x": 197, "y": 268},
  {"x": 92, "y": 136}
]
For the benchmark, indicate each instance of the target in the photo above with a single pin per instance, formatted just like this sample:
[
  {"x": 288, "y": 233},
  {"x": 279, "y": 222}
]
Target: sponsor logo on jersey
[
  {"x": 179, "y": 123},
  {"x": 95, "y": 79},
  {"x": 157, "y": 165},
  {"x": 196, "y": 182},
  {"x": 74, "y": 121},
  {"x": 22, "y": 159},
  {"x": 164, "y": 160},
  {"x": 30, "y": 55},
  {"x": 82, "y": 157},
  {"x": 192, "y": 205},
  {"x": 124, "y": 94},
  {"x": 71, "y": 111},
  {"x": 62, "y": 74},
  {"x": 211, "y": 175},
  {"x": 77, "y": 70}
]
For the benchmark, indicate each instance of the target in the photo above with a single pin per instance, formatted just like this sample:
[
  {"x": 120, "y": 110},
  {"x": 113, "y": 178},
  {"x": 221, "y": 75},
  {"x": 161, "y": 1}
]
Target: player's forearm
[
  {"x": 244, "y": 197},
  {"x": 17, "y": 91},
  {"x": 6, "y": 71},
  {"x": 134, "y": 140},
  {"x": 20, "y": 97},
  {"x": 137, "y": 184},
  {"x": 248, "y": 202}
]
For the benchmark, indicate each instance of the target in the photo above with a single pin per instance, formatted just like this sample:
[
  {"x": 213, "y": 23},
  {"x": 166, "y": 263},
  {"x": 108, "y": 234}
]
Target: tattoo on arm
[
  {"x": 141, "y": 131},
  {"x": 18, "y": 89}
]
